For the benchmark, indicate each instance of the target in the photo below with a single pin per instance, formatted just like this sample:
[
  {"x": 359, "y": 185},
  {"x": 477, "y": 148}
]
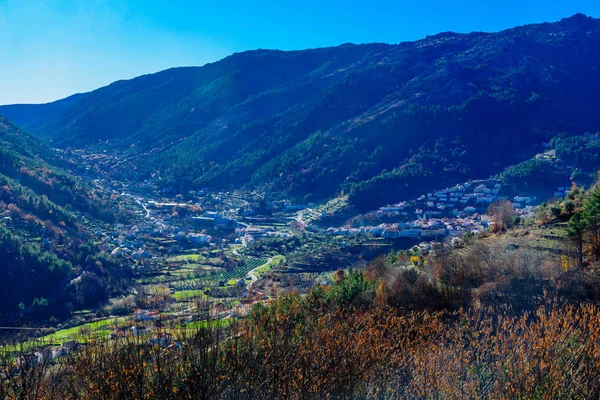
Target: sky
[{"x": 50, "y": 49}]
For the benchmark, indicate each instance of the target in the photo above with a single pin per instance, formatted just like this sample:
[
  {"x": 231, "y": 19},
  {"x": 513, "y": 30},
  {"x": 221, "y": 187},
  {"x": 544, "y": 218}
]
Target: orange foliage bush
[{"x": 295, "y": 349}]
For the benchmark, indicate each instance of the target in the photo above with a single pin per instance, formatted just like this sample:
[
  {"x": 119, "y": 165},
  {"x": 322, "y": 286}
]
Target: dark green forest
[{"x": 43, "y": 245}]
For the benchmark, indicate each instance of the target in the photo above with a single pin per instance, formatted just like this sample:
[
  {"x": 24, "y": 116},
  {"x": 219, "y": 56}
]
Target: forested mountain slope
[
  {"x": 43, "y": 243},
  {"x": 381, "y": 122}
]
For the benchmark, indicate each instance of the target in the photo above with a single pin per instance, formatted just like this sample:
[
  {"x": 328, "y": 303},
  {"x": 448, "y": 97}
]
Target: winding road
[{"x": 253, "y": 276}]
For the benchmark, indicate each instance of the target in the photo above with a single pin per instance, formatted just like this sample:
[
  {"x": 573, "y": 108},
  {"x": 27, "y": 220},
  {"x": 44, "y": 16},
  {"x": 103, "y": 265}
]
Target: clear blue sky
[{"x": 50, "y": 49}]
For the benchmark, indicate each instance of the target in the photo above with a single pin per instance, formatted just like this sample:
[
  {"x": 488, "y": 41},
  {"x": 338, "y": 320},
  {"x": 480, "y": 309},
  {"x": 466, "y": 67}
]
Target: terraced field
[
  {"x": 215, "y": 278},
  {"x": 275, "y": 262},
  {"x": 550, "y": 237}
]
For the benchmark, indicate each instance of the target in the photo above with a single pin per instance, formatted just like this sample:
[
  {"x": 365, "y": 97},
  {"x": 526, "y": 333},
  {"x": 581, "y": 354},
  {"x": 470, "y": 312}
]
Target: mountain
[
  {"x": 35, "y": 116},
  {"x": 380, "y": 122},
  {"x": 43, "y": 241}
]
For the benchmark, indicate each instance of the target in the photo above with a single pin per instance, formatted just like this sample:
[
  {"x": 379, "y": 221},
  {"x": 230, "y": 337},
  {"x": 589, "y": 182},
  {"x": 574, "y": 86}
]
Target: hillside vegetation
[
  {"x": 379, "y": 122},
  {"x": 501, "y": 316},
  {"x": 43, "y": 243},
  {"x": 508, "y": 313}
]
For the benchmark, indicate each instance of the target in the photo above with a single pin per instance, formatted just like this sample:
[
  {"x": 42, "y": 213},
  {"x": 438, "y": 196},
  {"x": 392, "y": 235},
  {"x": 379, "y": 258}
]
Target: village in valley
[
  {"x": 454, "y": 211},
  {"x": 208, "y": 254},
  {"x": 164, "y": 227}
]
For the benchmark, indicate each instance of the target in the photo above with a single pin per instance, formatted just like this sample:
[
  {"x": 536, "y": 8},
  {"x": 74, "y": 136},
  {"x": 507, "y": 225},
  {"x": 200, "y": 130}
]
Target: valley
[
  {"x": 416, "y": 219},
  {"x": 229, "y": 250}
]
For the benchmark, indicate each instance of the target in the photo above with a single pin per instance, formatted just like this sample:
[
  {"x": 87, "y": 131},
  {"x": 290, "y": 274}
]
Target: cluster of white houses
[
  {"x": 451, "y": 211},
  {"x": 131, "y": 241},
  {"x": 246, "y": 234},
  {"x": 467, "y": 198},
  {"x": 464, "y": 199},
  {"x": 461, "y": 200},
  {"x": 433, "y": 228}
]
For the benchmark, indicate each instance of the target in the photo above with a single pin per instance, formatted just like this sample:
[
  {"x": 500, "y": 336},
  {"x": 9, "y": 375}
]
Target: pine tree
[
  {"x": 591, "y": 214},
  {"x": 576, "y": 229}
]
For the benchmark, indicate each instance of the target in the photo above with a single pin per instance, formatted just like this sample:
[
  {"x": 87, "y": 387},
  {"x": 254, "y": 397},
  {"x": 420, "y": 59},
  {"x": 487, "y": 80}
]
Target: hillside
[
  {"x": 43, "y": 241},
  {"x": 35, "y": 116},
  {"x": 380, "y": 122}
]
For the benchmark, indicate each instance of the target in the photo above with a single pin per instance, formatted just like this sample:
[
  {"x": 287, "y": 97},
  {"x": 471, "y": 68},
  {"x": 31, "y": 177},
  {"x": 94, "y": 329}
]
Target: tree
[
  {"x": 569, "y": 207},
  {"x": 503, "y": 213},
  {"x": 555, "y": 210},
  {"x": 339, "y": 276},
  {"x": 576, "y": 229},
  {"x": 591, "y": 214}
]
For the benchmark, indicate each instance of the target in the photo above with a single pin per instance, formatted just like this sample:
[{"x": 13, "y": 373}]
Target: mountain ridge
[{"x": 367, "y": 119}]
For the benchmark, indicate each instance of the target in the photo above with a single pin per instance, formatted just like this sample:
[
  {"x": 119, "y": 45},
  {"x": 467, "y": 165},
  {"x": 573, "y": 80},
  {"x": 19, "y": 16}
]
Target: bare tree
[{"x": 503, "y": 213}]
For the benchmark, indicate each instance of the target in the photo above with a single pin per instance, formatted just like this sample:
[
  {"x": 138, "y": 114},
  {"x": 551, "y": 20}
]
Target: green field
[
  {"x": 220, "y": 323},
  {"x": 195, "y": 258},
  {"x": 95, "y": 329},
  {"x": 188, "y": 294},
  {"x": 82, "y": 333},
  {"x": 277, "y": 260}
]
